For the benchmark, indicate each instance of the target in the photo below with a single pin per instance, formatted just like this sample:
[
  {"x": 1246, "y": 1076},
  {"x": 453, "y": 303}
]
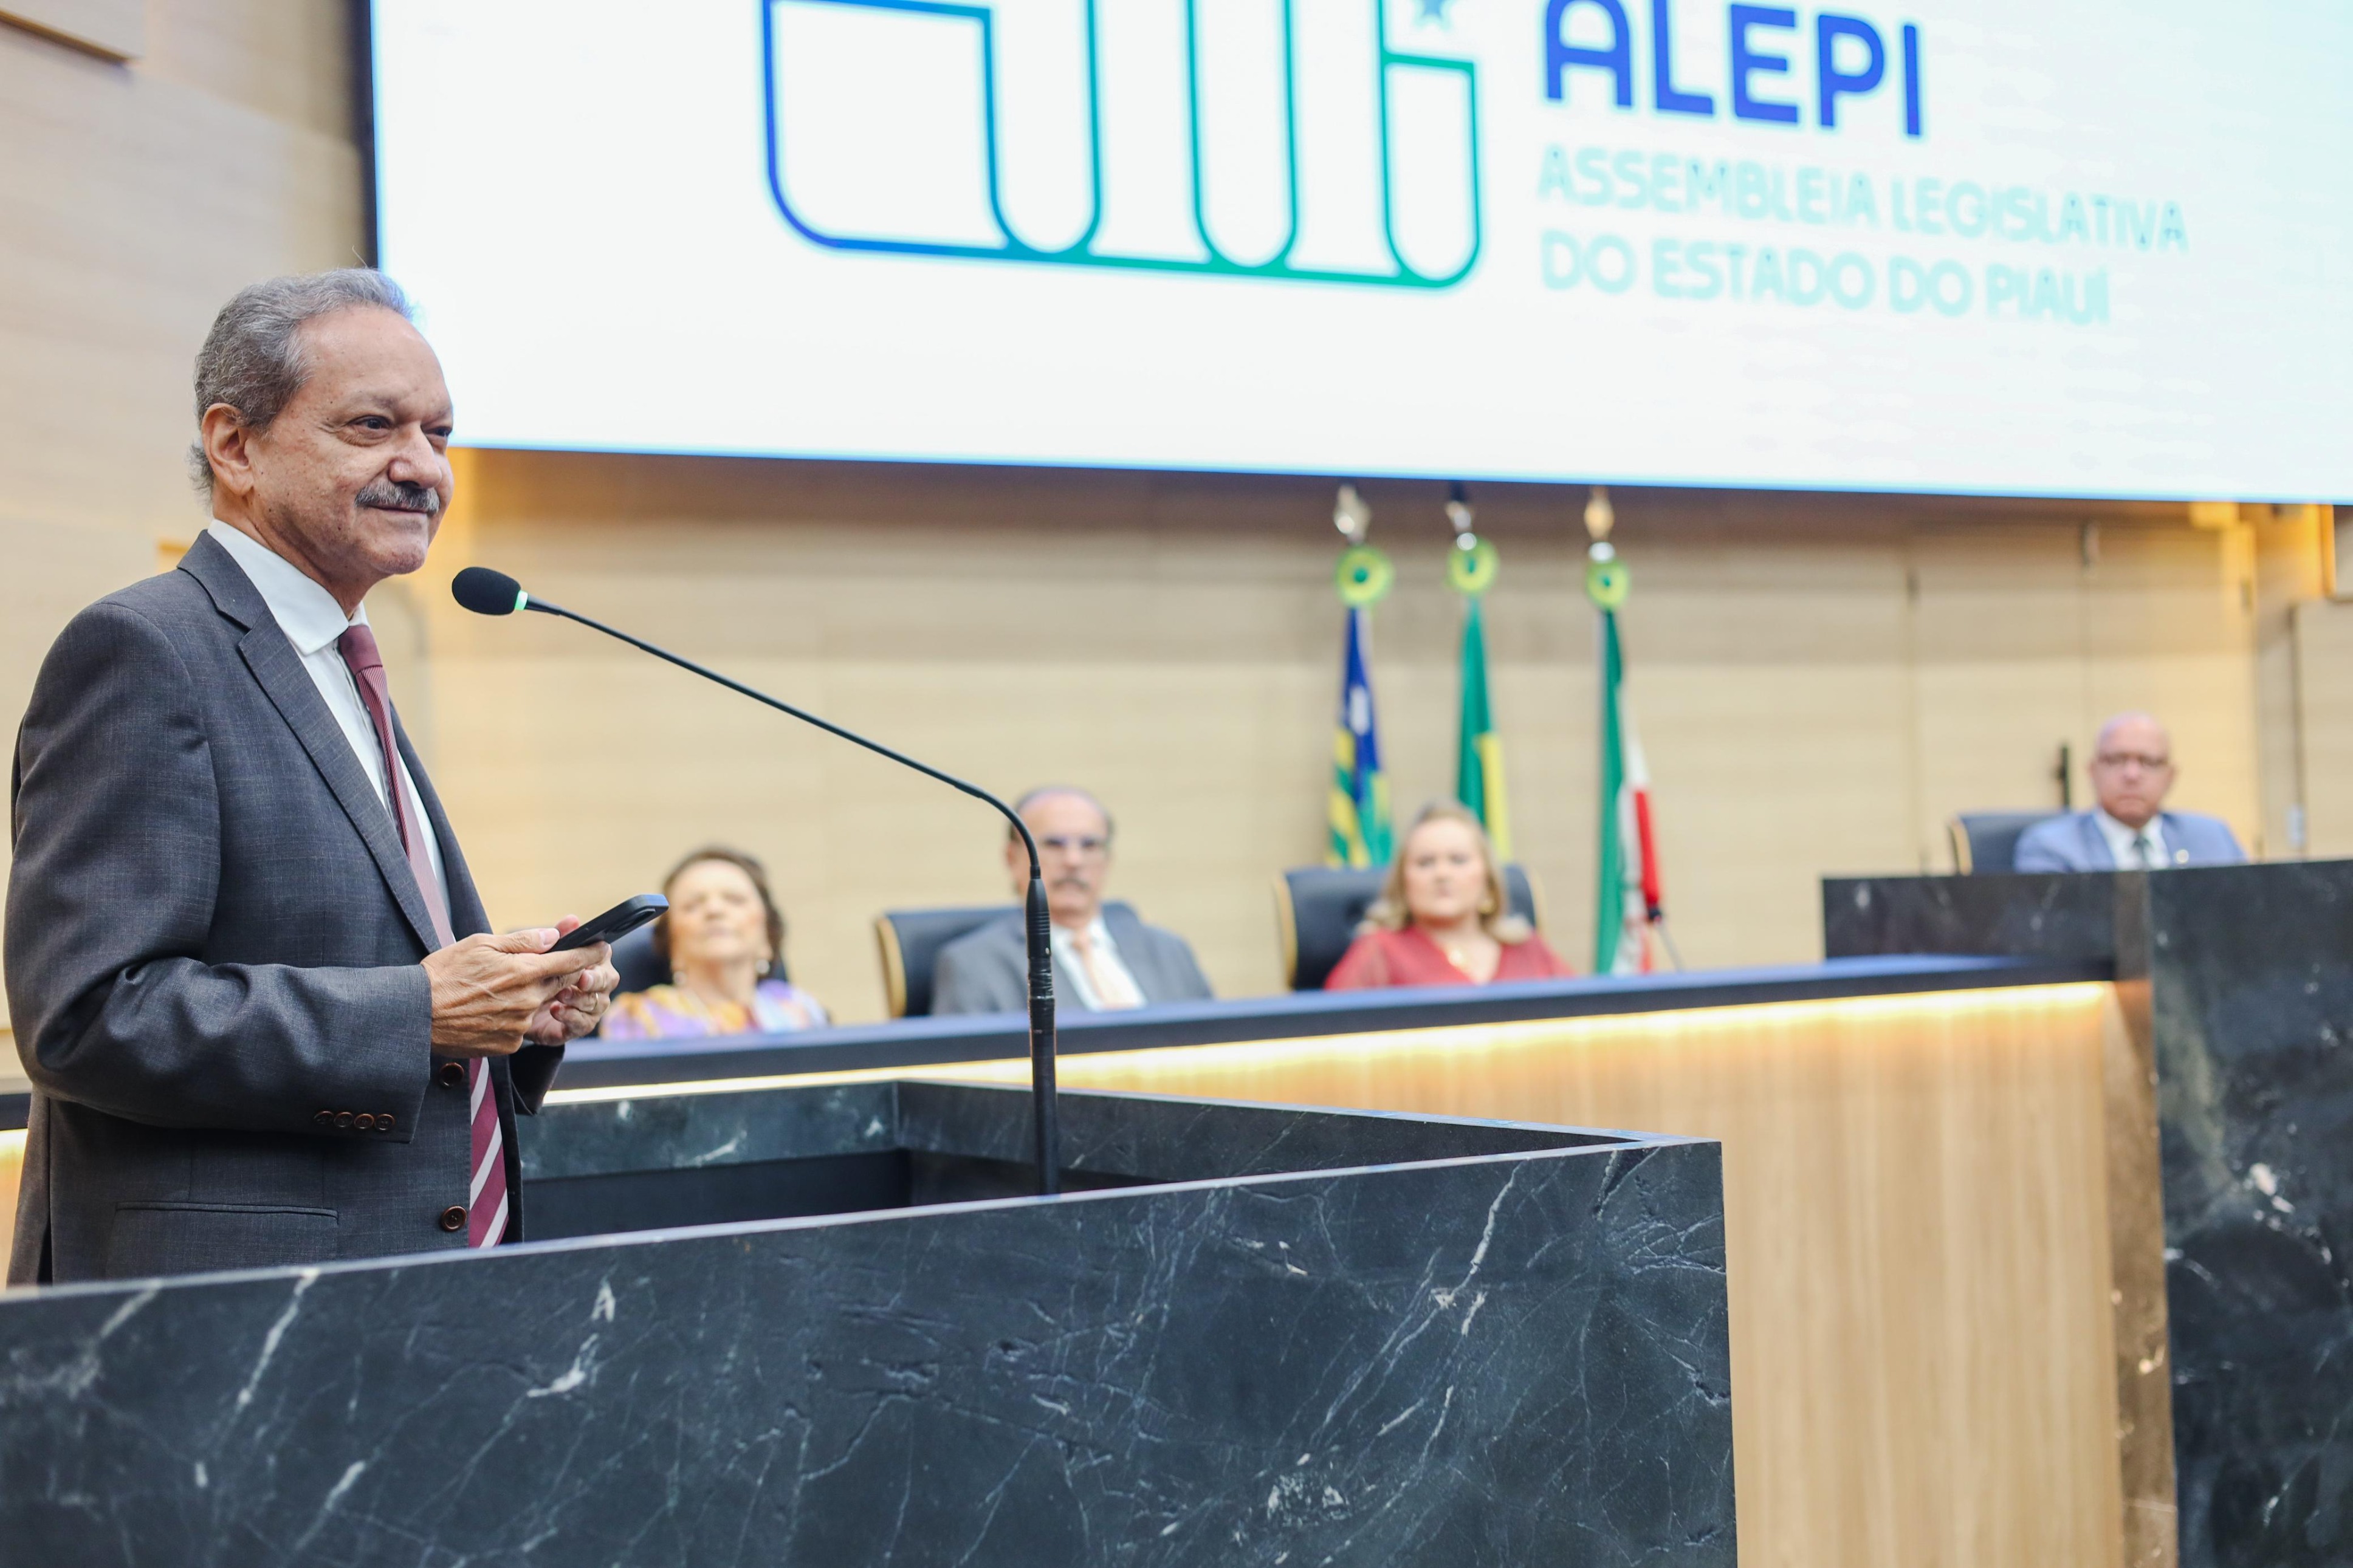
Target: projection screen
[{"x": 2090, "y": 247}]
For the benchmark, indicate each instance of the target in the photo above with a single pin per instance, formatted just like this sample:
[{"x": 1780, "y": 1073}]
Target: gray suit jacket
[
  {"x": 2074, "y": 842},
  {"x": 212, "y": 950},
  {"x": 988, "y": 970}
]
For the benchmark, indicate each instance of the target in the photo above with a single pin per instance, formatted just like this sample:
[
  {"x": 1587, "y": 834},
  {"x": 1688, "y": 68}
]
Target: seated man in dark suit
[
  {"x": 2132, "y": 767},
  {"x": 1103, "y": 960}
]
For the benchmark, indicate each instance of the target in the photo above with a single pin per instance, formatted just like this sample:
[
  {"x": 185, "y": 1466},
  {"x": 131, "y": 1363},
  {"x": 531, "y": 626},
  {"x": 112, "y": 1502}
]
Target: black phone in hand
[{"x": 615, "y": 923}]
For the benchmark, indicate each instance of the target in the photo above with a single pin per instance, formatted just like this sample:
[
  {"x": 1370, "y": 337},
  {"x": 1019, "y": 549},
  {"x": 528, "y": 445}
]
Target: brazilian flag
[
  {"x": 1479, "y": 756},
  {"x": 1358, "y": 811}
]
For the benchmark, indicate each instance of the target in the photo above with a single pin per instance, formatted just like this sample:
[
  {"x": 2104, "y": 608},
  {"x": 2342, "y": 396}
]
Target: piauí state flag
[
  {"x": 1359, "y": 809},
  {"x": 1479, "y": 757},
  {"x": 1627, "y": 880}
]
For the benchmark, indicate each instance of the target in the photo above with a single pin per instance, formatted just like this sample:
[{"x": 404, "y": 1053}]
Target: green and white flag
[
  {"x": 1478, "y": 753},
  {"x": 1628, "y": 893}
]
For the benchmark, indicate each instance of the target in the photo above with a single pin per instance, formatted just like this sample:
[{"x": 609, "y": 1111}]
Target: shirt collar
[
  {"x": 1098, "y": 936},
  {"x": 304, "y": 611},
  {"x": 2117, "y": 833}
]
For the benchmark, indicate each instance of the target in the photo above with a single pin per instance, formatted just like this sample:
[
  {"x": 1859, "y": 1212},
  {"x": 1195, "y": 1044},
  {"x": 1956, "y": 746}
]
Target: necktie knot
[{"x": 357, "y": 645}]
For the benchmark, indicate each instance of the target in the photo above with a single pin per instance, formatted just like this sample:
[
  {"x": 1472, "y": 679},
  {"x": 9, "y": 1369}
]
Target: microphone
[{"x": 489, "y": 593}]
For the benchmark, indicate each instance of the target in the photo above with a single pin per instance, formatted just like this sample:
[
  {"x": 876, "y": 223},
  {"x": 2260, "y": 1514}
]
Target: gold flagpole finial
[
  {"x": 1601, "y": 516},
  {"x": 1605, "y": 575},
  {"x": 1350, "y": 515}
]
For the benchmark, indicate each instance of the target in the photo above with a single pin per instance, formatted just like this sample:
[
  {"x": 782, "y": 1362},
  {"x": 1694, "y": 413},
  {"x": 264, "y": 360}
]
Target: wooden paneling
[
  {"x": 1819, "y": 679},
  {"x": 1820, "y": 682},
  {"x": 138, "y": 200},
  {"x": 2024, "y": 645},
  {"x": 1924, "y": 1264},
  {"x": 2292, "y": 546},
  {"x": 12, "y": 1171},
  {"x": 134, "y": 199},
  {"x": 2324, "y": 679},
  {"x": 115, "y": 30},
  {"x": 1945, "y": 1280}
]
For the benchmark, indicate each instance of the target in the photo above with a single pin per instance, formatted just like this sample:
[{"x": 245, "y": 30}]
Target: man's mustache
[
  {"x": 397, "y": 495},
  {"x": 1067, "y": 881}
]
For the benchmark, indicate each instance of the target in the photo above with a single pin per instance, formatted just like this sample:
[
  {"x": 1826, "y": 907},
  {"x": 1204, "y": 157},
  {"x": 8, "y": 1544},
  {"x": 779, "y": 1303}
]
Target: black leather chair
[
  {"x": 1318, "y": 908},
  {"x": 633, "y": 958},
  {"x": 911, "y": 940},
  {"x": 1988, "y": 841}
]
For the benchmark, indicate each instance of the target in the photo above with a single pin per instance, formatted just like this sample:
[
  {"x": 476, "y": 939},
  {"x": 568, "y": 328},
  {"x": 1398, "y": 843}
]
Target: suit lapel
[
  {"x": 2096, "y": 852},
  {"x": 279, "y": 671}
]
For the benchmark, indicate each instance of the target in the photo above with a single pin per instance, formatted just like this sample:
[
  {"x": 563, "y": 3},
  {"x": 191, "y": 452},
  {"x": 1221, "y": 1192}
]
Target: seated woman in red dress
[{"x": 1442, "y": 918}]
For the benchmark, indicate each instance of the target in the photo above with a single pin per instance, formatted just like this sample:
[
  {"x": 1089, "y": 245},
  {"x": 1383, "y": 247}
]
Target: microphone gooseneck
[{"x": 489, "y": 593}]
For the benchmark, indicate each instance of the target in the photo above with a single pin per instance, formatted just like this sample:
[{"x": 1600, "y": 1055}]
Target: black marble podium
[
  {"x": 2237, "y": 986},
  {"x": 1258, "y": 1335}
]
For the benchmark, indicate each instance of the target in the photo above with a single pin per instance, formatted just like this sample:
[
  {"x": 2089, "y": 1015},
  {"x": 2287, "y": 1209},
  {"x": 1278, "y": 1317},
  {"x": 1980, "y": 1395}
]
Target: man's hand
[
  {"x": 579, "y": 1007},
  {"x": 488, "y": 991}
]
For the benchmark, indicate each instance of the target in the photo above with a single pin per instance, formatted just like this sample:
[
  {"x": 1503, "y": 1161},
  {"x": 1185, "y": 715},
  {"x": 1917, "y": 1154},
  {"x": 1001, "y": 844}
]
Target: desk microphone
[{"x": 489, "y": 593}]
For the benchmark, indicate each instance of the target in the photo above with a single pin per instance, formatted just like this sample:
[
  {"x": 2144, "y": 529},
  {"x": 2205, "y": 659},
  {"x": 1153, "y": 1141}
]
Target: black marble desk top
[
  {"x": 931, "y": 1042},
  {"x": 991, "y": 1036}
]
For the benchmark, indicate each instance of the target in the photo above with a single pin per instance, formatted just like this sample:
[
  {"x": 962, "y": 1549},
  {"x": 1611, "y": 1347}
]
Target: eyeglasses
[
  {"x": 1087, "y": 848},
  {"x": 2132, "y": 759}
]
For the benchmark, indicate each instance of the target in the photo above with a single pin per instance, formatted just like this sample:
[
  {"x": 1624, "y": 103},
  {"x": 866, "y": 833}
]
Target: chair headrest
[
  {"x": 911, "y": 940},
  {"x": 1325, "y": 904},
  {"x": 1990, "y": 838},
  {"x": 634, "y": 957}
]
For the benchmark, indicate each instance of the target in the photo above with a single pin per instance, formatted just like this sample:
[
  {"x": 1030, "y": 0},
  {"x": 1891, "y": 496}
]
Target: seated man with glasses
[
  {"x": 2132, "y": 767},
  {"x": 1103, "y": 959}
]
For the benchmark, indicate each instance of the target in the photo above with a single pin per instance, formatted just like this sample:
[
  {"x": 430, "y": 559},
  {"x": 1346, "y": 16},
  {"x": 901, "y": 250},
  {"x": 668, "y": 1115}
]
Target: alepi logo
[
  {"x": 1324, "y": 141},
  {"x": 1764, "y": 47}
]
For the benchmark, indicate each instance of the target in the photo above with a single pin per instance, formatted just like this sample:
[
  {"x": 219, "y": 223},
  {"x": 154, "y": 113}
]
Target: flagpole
[
  {"x": 1609, "y": 856},
  {"x": 1357, "y": 799},
  {"x": 1470, "y": 568},
  {"x": 1605, "y": 584}
]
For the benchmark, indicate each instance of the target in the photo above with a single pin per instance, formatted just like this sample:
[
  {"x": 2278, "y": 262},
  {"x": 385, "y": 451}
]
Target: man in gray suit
[
  {"x": 250, "y": 976},
  {"x": 2132, "y": 767},
  {"x": 1104, "y": 960}
]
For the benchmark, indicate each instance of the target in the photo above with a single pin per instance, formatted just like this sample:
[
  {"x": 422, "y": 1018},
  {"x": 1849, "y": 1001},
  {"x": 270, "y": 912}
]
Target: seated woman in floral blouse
[
  {"x": 1442, "y": 918},
  {"x": 721, "y": 939}
]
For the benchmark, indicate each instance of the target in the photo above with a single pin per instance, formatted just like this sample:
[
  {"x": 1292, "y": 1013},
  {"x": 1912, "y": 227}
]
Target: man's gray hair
[
  {"x": 1031, "y": 797},
  {"x": 252, "y": 360}
]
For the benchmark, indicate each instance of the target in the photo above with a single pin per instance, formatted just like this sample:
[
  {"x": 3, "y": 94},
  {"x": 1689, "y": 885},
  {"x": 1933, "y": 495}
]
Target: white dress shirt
[
  {"x": 1100, "y": 978},
  {"x": 2121, "y": 840},
  {"x": 312, "y": 622}
]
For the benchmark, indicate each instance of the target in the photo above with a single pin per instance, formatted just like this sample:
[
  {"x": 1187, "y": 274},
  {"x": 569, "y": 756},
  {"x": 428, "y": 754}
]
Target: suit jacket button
[
  {"x": 454, "y": 1218},
  {"x": 384, "y": 1120},
  {"x": 451, "y": 1075},
  {"x": 342, "y": 1118},
  {"x": 324, "y": 1118},
  {"x": 364, "y": 1121}
]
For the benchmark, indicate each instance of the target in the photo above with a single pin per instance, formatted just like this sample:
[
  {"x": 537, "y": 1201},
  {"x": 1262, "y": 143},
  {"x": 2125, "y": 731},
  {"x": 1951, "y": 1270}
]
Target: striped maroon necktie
[{"x": 486, "y": 1193}]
